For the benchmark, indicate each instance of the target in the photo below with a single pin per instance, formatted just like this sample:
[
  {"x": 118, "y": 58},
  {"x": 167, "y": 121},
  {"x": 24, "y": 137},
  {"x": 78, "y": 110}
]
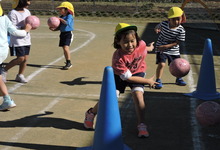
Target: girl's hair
[
  {"x": 123, "y": 34},
  {"x": 22, "y": 4}
]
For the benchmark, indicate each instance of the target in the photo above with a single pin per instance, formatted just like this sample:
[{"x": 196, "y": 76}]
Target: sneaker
[
  {"x": 142, "y": 131},
  {"x": 89, "y": 119},
  {"x": 67, "y": 66},
  {"x": 20, "y": 78},
  {"x": 7, "y": 104},
  {"x": 160, "y": 85},
  {"x": 180, "y": 82},
  {"x": 4, "y": 74}
]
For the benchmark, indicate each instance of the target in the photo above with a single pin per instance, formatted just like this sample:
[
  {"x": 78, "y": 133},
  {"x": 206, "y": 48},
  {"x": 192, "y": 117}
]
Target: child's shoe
[
  {"x": 180, "y": 82},
  {"x": 7, "y": 104},
  {"x": 67, "y": 66},
  {"x": 89, "y": 119},
  {"x": 142, "y": 131},
  {"x": 21, "y": 78},
  {"x": 160, "y": 85}
]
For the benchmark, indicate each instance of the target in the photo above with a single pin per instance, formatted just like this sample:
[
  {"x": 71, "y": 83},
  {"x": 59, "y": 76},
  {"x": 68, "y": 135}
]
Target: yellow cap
[
  {"x": 175, "y": 12},
  {"x": 124, "y": 26},
  {"x": 15, "y": 3},
  {"x": 1, "y": 10},
  {"x": 67, "y": 5}
]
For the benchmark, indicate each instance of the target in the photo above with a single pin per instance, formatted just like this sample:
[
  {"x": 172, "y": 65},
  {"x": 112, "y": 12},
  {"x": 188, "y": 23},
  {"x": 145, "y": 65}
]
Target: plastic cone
[
  {"x": 206, "y": 86},
  {"x": 108, "y": 131}
]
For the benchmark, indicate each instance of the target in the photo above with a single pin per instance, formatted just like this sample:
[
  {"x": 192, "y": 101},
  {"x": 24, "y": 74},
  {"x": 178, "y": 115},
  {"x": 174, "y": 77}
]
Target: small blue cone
[
  {"x": 206, "y": 86},
  {"x": 108, "y": 131}
]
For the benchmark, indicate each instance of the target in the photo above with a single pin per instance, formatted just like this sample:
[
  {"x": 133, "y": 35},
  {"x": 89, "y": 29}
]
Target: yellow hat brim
[
  {"x": 14, "y": 3},
  {"x": 1, "y": 10},
  {"x": 130, "y": 27},
  {"x": 67, "y": 5}
]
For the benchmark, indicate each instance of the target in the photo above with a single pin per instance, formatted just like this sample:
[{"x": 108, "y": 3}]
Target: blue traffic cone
[
  {"x": 206, "y": 86},
  {"x": 108, "y": 131}
]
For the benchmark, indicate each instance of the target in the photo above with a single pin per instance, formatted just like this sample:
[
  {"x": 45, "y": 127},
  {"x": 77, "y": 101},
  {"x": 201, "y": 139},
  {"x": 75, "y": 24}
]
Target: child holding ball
[
  {"x": 19, "y": 47},
  {"x": 66, "y": 27},
  {"x": 5, "y": 27},
  {"x": 128, "y": 63}
]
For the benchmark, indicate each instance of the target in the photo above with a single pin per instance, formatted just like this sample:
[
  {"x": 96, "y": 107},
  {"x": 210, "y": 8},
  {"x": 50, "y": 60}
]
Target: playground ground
[{"x": 51, "y": 106}]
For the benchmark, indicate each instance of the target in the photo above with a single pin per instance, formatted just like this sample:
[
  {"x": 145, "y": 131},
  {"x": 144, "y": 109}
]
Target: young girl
[
  {"x": 5, "y": 27},
  {"x": 129, "y": 67},
  {"x": 66, "y": 27},
  {"x": 19, "y": 47},
  {"x": 170, "y": 40}
]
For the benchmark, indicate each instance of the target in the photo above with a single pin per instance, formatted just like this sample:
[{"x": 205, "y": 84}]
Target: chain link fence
[{"x": 126, "y": 8}]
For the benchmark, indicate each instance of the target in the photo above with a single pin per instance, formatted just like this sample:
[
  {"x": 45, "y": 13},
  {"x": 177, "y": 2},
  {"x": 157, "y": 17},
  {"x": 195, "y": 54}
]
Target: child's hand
[
  {"x": 150, "y": 47},
  {"x": 152, "y": 82},
  {"x": 28, "y": 27},
  {"x": 52, "y": 29},
  {"x": 161, "y": 48},
  {"x": 157, "y": 30},
  {"x": 62, "y": 20}
]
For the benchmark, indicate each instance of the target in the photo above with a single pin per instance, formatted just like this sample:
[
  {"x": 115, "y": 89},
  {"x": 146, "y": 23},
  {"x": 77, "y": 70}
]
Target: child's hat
[
  {"x": 67, "y": 5},
  {"x": 14, "y": 3},
  {"x": 124, "y": 26},
  {"x": 1, "y": 10},
  {"x": 175, "y": 12}
]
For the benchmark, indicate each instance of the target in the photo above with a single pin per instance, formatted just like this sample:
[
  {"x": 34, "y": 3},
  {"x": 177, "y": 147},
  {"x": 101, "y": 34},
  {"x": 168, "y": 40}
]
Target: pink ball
[
  {"x": 179, "y": 67},
  {"x": 34, "y": 21},
  {"x": 53, "y": 22},
  {"x": 208, "y": 113}
]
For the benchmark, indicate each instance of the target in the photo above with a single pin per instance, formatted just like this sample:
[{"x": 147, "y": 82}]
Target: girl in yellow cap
[
  {"x": 66, "y": 27},
  {"x": 5, "y": 27},
  {"x": 171, "y": 37},
  {"x": 129, "y": 67}
]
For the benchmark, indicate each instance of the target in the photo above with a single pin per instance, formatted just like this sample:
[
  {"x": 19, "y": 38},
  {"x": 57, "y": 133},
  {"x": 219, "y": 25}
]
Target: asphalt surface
[{"x": 51, "y": 106}]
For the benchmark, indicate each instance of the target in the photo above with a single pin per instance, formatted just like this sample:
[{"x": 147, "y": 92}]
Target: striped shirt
[{"x": 168, "y": 36}]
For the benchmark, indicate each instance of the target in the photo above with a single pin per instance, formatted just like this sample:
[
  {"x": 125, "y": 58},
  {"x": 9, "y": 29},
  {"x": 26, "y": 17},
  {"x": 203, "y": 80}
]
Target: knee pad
[{"x": 137, "y": 89}]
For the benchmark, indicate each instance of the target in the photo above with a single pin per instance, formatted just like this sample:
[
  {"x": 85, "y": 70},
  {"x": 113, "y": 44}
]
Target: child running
[
  {"x": 5, "y": 27},
  {"x": 171, "y": 39},
  {"x": 19, "y": 46},
  {"x": 66, "y": 27},
  {"x": 128, "y": 63}
]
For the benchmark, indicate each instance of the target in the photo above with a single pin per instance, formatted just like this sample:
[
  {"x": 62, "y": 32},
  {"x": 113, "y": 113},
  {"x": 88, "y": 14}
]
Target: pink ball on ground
[
  {"x": 208, "y": 113},
  {"x": 179, "y": 67},
  {"x": 34, "y": 21},
  {"x": 53, "y": 22}
]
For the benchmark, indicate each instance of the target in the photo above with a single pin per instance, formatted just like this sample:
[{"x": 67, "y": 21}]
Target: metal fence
[{"x": 125, "y": 8}]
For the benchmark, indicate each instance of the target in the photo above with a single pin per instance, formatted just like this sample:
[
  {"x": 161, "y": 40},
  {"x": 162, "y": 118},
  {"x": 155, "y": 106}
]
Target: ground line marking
[
  {"x": 31, "y": 76},
  {"x": 197, "y": 144}
]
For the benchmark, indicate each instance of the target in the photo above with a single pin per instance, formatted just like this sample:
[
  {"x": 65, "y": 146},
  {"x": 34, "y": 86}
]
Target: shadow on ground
[
  {"x": 39, "y": 120},
  {"x": 79, "y": 81},
  {"x": 40, "y": 66},
  {"x": 36, "y": 146},
  {"x": 171, "y": 122}
]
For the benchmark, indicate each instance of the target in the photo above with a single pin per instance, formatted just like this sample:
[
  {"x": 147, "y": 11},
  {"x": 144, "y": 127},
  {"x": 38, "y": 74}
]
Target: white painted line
[
  {"x": 19, "y": 135},
  {"x": 72, "y": 95},
  {"x": 54, "y": 101},
  {"x": 195, "y": 131},
  {"x": 31, "y": 76}
]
